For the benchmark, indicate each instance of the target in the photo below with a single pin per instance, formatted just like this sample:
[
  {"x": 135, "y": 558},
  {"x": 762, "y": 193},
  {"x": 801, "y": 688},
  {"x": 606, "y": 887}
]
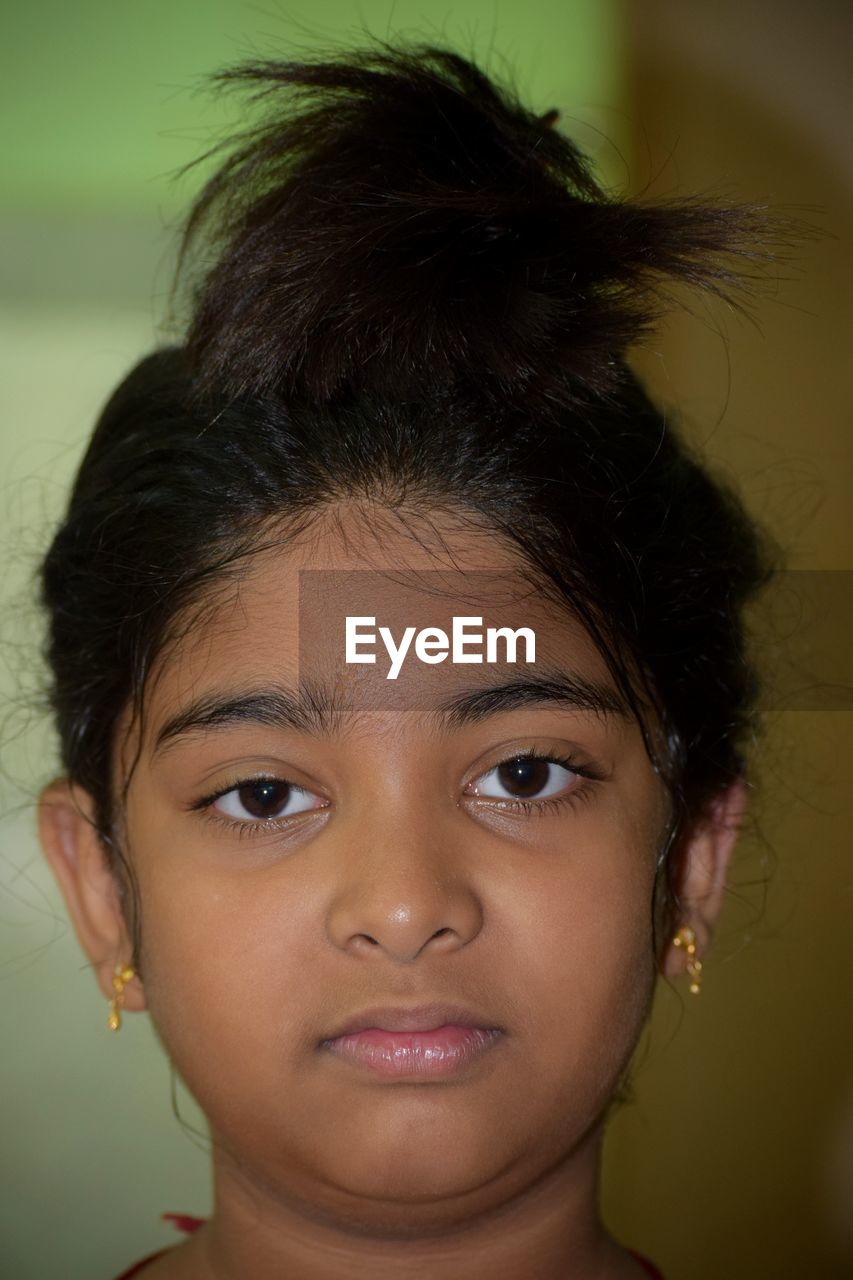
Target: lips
[{"x": 422, "y": 1041}]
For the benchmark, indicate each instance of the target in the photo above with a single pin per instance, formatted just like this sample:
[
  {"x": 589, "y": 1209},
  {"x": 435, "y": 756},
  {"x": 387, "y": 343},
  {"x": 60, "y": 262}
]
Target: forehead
[{"x": 282, "y": 622}]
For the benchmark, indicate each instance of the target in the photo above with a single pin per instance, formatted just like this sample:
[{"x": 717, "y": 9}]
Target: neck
[{"x": 511, "y": 1228}]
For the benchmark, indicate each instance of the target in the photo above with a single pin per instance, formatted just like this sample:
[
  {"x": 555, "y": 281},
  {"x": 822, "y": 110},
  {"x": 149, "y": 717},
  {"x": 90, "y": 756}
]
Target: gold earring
[
  {"x": 686, "y": 937},
  {"x": 122, "y": 975}
]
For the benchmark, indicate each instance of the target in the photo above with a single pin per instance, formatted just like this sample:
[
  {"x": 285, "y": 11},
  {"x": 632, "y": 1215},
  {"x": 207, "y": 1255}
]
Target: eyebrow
[{"x": 314, "y": 709}]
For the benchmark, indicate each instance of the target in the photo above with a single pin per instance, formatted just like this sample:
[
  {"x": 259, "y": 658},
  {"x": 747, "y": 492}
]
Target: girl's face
[{"x": 388, "y": 859}]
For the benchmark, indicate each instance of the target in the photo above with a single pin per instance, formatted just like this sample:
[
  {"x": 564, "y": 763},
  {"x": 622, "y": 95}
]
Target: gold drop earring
[
  {"x": 686, "y": 937},
  {"x": 121, "y": 976}
]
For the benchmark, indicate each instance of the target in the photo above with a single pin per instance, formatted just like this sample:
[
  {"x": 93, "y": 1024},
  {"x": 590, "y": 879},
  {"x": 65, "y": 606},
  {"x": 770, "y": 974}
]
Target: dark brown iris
[
  {"x": 263, "y": 799},
  {"x": 524, "y": 777}
]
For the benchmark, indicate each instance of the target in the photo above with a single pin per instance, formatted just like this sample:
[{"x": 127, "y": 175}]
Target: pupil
[
  {"x": 262, "y": 799},
  {"x": 527, "y": 776}
]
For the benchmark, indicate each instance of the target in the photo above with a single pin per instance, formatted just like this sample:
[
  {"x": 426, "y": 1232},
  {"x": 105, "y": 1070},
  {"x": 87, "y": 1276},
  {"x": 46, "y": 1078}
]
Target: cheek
[
  {"x": 587, "y": 956},
  {"x": 221, "y": 955}
]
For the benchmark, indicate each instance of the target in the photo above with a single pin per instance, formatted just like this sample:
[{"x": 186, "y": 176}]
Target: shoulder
[
  {"x": 647, "y": 1264},
  {"x": 185, "y": 1222},
  {"x": 137, "y": 1266}
]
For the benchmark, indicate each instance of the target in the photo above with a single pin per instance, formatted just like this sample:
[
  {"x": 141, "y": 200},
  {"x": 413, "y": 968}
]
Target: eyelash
[{"x": 531, "y": 808}]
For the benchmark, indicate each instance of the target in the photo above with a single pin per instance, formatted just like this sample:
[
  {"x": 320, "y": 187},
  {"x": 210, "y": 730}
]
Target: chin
[{"x": 408, "y": 1176}]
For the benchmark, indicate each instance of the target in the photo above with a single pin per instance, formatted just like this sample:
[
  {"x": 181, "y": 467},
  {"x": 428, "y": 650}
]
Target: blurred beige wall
[{"x": 736, "y": 1159}]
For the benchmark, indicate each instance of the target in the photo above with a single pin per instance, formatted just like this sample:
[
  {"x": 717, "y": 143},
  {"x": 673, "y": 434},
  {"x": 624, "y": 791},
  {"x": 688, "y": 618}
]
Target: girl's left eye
[
  {"x": 526, "y": 777},
  {"x": 263, "y": 798}
]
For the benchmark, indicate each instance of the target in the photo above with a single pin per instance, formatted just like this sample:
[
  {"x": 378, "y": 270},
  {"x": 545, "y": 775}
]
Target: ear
[
  {"x": 704, "y": 867},
  {"x": 77, "y": 856}
]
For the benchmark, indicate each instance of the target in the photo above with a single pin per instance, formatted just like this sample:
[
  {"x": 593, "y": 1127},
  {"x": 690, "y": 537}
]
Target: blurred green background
[
  {"x": 736, "y": 1156},
  {"x": 106, "y": 98}
]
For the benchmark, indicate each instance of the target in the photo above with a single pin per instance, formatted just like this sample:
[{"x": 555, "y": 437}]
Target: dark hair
[{"x": 406, "y": 286}]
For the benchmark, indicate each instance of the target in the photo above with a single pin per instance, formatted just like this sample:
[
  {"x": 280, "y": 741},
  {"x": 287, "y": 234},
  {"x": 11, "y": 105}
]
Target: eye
[
  {"x": 525, "y": 777},
  {"x": 260, "y": 798}
]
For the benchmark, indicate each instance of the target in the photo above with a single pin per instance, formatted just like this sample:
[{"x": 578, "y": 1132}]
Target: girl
[{"x": 400, "y": 932}]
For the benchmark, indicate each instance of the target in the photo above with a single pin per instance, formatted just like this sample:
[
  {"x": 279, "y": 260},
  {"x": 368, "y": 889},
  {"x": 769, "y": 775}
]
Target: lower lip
[{"x": 414, "y": 1053}]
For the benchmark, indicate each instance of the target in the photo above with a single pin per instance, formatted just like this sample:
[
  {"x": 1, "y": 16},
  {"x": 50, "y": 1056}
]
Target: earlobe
[
  {"x": 74, "y": 849},
  {"x": 703, "y": 872}
]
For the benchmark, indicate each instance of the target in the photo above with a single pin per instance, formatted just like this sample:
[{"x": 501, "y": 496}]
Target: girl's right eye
[{"x": 264, "y": 798}]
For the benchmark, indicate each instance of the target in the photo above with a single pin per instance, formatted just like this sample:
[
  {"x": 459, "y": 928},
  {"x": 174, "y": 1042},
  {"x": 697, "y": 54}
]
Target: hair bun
[{"x": 396, "y": 222}]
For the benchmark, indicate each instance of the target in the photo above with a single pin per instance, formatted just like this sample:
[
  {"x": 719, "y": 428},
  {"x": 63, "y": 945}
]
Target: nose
[{"x": 403, "y": 886}]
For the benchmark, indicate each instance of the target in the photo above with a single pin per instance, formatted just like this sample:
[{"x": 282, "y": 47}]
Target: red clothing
[{"x": 185, "y": 1222}]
